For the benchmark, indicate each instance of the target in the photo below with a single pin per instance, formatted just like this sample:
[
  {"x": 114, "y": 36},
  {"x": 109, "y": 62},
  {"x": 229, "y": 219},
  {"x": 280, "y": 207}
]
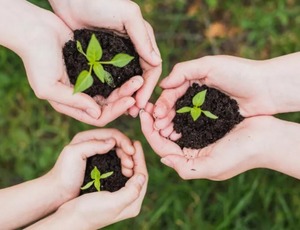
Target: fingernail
[
  {"x": 166, "y": 162},
  {"x": 93, "y": 113},
  {"x": 155, "y": 57},
  {"x": 155, "y": 127},
  {"x": 141, "y": 179},
  {"x": 141, "y": 111}
]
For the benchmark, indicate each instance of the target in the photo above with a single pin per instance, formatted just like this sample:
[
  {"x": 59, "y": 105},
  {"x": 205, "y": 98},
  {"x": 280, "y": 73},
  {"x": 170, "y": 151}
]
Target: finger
[
  {"x": 151, "y": 76},
  {"x": 152, "y": 37},
  {"x": 165, "y": 122},
  {"x": 127, "y": 89},
  {"x": 159, "y": 144},
  {"x": 115, "y": 109},
  {"x": 131, "y": 191},
  {"x": 134, "y": 111},
  {"x": 167, "y": 100},
  {"x": 174, "y": 136},
  {"x": 122, "y": 141},
  {"x": 126, "y": 160},
  {"x": 137, "y": 31},
  {"x": 149, "y": 108},
  {"x": 167, "y": 131},
  {"x": 139, "y": 160},
  {"x": 191, "y": 70},
  {"x": 63, "y": 94},
  {"x": 91, "y": 148}
]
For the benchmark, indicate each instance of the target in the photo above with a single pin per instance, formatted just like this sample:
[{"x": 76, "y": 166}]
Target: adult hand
[
  {"x": 99, "y": 209},
  {"x": 68, "y": 172},
  {"x": 257, "y": 142},
  {"x": 123, "y": 16},
  {"x": 238, "y": 78}
]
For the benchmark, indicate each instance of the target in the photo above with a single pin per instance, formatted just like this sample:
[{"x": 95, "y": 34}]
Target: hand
[
  {"x": 123, "y": 16},
  {"x": 99, "y": 209},
  {"x": 68, "y": 172},
  {"x": 257, "y": 142},
  {"x": 238, "y": 78}
]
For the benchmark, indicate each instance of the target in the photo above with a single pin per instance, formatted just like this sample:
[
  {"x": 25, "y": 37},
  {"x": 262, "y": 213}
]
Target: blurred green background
[{"x": 32, "y": 134}]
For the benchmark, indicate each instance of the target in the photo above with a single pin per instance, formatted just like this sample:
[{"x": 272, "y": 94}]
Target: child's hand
[
  {"x": 68, "y": 172},
  {"x": 99, "y": 209},
  {"x": 123, "y": 16}
]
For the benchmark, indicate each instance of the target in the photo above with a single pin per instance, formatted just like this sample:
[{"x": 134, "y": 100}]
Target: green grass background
[{"x": 32, "y": 134}]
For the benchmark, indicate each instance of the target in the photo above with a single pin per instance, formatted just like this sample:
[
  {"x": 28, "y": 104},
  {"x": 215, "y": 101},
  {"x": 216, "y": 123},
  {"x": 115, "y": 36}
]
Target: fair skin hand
[
  {"x": 257, "y": 142},
  {"x": 99, "y": 209},
  {"x": 65, "y": 179},
  {"x": 122, "y": 16},
  {"x": 45, "y": 66},
  {"x": 257, "y": 86}
]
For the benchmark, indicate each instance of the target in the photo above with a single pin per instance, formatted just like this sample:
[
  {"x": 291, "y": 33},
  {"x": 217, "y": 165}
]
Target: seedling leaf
[
  {"x": 195, "y": 113},
  {"x": 184, "y": 110},
  {"x": 109, "y": 79},
  {"x": 99, "y": 71},
  {"x": 97, "y": 184},
  {"x": 87, "y": 185},
  {"x": 83, "y": 82},
  {"x": 199, "y": 98},
  {"x": 94, "y": 50},
  {"x": 79, "y": 48},
  {"x": 121, "y": 60},
  {"x": 95, "y": 173},
  {"x": 209, "y": 114},
  {"x": 105, "y": 175}
]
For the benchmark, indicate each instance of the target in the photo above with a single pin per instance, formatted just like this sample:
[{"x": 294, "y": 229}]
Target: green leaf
[
  {"x": 79, "y": 48},
  {"x": 209, "y": 114},
  {"x": 83, "y": 82},
  {"x": 109, "y": 79},
  {"x": 199, "y": 98},
  {"x": 94, "y": 50},
  {"x": 95, "y": 173},
  {"x": 87, "y": 185},
  {"x": 184, "y": 110},
  {"x": 105, "y": 175},
  {"x": 121, "y": 60},
  {"x": 97, "y": 184},
  {"x": 195, "y": 113},
  {"x": 99, "y": 71}
]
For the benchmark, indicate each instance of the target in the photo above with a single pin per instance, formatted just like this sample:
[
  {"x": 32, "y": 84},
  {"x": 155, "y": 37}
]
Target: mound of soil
[
  {"x": 105, "y": 163},
  {"x": 204, "y": 131},
  {"x": 111, "y": 44}
]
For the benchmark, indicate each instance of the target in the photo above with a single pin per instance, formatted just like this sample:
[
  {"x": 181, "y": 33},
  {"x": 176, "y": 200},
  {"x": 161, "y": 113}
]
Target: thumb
[{"x": 128, "y": 194}]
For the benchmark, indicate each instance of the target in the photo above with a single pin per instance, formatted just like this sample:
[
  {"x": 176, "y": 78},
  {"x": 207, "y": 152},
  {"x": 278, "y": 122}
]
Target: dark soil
[
  {"x": 111, "y": 44},
  {"x": 105, "y": 163},
  {"x": 204, "y": 130}
]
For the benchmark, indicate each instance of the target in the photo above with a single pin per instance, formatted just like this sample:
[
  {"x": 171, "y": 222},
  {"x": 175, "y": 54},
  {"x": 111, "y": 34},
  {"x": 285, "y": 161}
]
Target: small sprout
[
  {"x": 93, "y": 55},
  {"x": 96, "y": 176},
  {"x": 196, "y": 111}
]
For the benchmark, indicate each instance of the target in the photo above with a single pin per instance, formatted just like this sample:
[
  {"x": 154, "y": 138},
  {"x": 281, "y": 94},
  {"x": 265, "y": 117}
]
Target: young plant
[
  {"x": 96, "y": 176},
  {"x": 93, "y": 55},
  {"x": 196, "y": 111}
]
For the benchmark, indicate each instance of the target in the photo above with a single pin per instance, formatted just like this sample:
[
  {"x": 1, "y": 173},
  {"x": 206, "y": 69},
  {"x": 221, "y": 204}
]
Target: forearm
[
  {"x": 284, "y": 152},
  {"x": 20, "y": 23},
  {"x": 282, "y": 76},
  {"x": 64, "y": 218},
  {"x": 29, "y": 201}
]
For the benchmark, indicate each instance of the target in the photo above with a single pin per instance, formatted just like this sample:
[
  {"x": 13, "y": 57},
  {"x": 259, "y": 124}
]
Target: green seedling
[
  {"x": 93, "y": 55},
  {"x": 196, "y": 111},
  {"x": 96, "y": 176}
]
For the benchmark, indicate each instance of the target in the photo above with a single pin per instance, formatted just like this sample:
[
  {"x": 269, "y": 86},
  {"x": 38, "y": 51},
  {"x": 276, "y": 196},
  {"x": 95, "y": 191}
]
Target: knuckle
[
  {"x": 134, "y": 8},
  {"x": 136, "y": 212},
  {"x": 40, "y": 93}
]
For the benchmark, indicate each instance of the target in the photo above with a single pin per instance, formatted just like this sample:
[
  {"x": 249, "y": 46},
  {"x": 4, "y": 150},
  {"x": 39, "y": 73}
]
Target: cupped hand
[
  {"x": 99, "y": 209},
  {"x": 68, "y": 172},
  {"x": 257, "y": 142},
  {"x": 236, "y": 77},
  {"x": 122, "y": 16}
]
